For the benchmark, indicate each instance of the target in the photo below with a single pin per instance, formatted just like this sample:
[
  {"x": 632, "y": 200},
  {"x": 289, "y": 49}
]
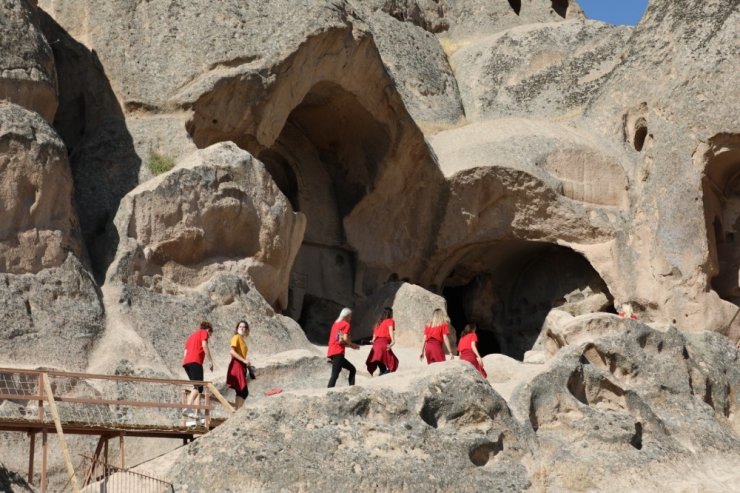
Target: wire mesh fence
[{"x": 101, "y": 477}]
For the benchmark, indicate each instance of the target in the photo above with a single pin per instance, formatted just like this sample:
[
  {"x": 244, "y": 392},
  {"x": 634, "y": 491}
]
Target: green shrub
[{"x": 160, "y": 163}]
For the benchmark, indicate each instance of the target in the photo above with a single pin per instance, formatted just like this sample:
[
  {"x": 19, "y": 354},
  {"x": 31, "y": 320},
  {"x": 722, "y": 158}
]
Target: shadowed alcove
[
  {"x": 721, "y": 187},
  {"x": 509, "y": 287},
  {"x": 325, "y": 161}
]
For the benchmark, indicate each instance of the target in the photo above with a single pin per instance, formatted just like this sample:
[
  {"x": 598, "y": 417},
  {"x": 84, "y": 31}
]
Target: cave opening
[
  {"x": 325, "y": 160},
  {"x": 509, "y": 287},
  {"x": 721, "y": 190}
]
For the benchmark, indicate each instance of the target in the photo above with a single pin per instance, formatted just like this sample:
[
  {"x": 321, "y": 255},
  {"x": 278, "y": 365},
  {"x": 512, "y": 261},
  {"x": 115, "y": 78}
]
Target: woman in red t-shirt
[
  {"x": 338, "y": 339},
  {"x": 381, "y": 356},
  {"x": 467, "y": 348},
  {"x": 435, "y": 333}
]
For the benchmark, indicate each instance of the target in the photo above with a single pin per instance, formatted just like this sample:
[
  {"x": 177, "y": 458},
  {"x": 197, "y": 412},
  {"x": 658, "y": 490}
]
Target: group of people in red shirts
[{"x": 381, "y": 355}]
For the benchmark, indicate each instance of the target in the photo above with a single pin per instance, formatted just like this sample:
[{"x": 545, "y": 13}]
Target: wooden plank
[
  {"x": 94, "y": 461},
  {"x": 31, "y": 452},
  {"x": 44, "y": 461},
  {"x": 219, "y": 397},
  {"x": 99, "y": 376},
  {"x": 20, "y": 397},
  {"x": 122, "y": 451},
  {"x": 164, "y": 405},
  {"x": 60, "y": 434}
]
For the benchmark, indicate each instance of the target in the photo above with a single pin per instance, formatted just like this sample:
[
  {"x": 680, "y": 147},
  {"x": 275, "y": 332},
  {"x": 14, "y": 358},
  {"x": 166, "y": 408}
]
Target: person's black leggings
[{"x": 338, "y": 361}]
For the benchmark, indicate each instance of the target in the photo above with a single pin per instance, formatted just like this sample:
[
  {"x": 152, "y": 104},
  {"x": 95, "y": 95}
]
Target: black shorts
[
  {"x": 244, "y": 393},
  {"x": 195, "y": 372}
]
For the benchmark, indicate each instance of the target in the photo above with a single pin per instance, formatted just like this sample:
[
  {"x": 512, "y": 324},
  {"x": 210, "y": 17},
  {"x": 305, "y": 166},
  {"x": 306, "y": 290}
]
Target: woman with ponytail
[{"x": 381, "y": 355}]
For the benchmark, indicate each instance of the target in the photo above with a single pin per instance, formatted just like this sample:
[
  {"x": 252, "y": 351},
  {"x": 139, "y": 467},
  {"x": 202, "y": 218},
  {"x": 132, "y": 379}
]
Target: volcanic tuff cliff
[{"x": 529, "y": 167}]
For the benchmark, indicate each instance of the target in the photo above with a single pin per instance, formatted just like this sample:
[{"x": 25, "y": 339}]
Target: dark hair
[
  {"x": 469, "y": 328},
  {"x": 236, "y": 329},
  {"x": 385, "y": 315},
  {"x": 206, "y": 326}
]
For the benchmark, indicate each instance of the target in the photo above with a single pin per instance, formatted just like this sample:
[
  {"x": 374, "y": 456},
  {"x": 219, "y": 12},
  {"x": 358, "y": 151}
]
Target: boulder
[
  {"x": 537, "y": 70},
  {"x": 412, "y": 310},
  {"x": 38, "y": 224},
  {"x": 27, "y": 74},
  {"x": 213, "y": 239},
  {"x": 50, "y": 312},
  {"x": 219, "y": 210},
  {"x": 393, "y": 433}
]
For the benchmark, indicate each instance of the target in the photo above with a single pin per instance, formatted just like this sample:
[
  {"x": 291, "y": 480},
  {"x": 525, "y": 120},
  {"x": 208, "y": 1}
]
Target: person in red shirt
[
  {"x": 381, "y": 355},
  {"x": 435, "y": 333},
  {"x": 196, "y": 350},
  {"x": 338, "y": 340},
  {"x": 467, "y": 348}
]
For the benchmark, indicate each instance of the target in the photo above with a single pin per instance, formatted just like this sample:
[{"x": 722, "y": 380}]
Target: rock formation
[
  {"x": 523, "y": 166},
  {"x": 209, "y": 240},
  {"x": 50, "y": 303}
]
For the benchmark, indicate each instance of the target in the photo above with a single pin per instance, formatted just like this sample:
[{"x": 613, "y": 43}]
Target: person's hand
[
  {"x": 210, "y": 366},
  {"x": 421, "y": 355}
]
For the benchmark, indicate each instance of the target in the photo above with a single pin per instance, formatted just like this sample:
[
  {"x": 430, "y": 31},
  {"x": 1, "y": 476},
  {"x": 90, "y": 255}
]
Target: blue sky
[{"x": 614, "y": 11}]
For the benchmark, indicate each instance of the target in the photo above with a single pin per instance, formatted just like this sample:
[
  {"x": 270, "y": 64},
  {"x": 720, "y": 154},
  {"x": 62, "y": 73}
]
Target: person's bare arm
[
  {"x": 474, "y": 347},
  {"x": 392, "y": 333},
  {"x": 208, "y": 353},
  {"x": 447, "y": 343},
  {"x": 423, "y": 347},
  {"x": 238, "y": 356},
  {"x": 347, "y": 342}
]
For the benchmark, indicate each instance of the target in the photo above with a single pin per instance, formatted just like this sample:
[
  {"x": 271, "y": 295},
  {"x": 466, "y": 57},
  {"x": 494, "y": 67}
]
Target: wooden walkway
[{"x": 39, "y": 402}]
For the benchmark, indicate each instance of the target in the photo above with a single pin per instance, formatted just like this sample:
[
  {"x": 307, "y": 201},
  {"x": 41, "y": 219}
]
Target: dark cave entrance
[
  {"x": 508, "y": 288},
  {"x": 721, "y": 190},
  {"x": 325, "y": 161}
]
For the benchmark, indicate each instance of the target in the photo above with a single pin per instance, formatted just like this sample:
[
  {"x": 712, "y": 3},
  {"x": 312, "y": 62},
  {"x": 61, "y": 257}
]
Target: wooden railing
[{"x": 59, "y": 402}]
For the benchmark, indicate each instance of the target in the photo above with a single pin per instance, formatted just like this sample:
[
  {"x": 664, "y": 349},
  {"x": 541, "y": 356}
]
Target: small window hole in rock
[{"x": 481, "y": 453}]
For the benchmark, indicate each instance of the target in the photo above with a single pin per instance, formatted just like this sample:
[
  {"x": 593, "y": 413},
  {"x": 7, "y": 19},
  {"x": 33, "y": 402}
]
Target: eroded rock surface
[
  {"x": 391, "y": 434},
  {"x": 640, "y": 396},
  {"x": 50, "y": 304},
  {"x": 27, "y": 74},
  {"x": 212, "y": 239},
  {"x": 541, "y": 70}
]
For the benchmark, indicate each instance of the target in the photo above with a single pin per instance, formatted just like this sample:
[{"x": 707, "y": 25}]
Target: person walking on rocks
[
  {"x": 339, "y": 339},
  {"x": 467, "y": 348},
  {"x": 435, "y": 333},
  {"x": 381, "y": 355},
  {"x": 196, "y": 350},
  {"x": 236, "y": 375}
]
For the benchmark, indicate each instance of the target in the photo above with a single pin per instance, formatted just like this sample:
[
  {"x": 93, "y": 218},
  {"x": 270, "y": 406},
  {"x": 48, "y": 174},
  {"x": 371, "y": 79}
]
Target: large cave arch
[
  {"x": 721, "y": 191},
  {"x": 335, "y": 135},
  {"x": 509, "y": 287},
  {"x": 325, "y": 160}
]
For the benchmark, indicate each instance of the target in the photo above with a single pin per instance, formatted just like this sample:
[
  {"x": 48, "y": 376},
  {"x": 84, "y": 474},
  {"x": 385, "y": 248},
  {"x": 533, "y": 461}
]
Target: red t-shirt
[
  {"x": 384, "y": 328},
  {"x": 466, "y": 342},
  {"x": 436, "y": 332},
  {"x": 194, "y": 347},
  {"x": 335, "y": 338}
]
